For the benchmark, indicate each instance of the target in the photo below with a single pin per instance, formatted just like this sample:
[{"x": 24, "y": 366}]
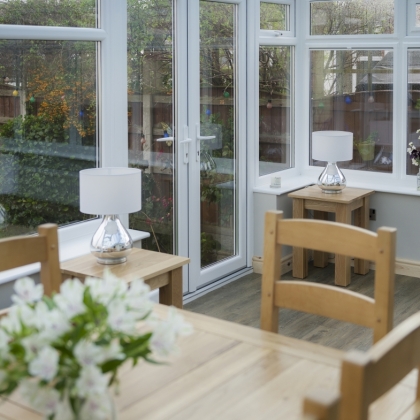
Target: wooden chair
[
  {"x": 18, "y": 251},
  {"x": 329, "y": 301},
  {"x": 367, "y": 376}
]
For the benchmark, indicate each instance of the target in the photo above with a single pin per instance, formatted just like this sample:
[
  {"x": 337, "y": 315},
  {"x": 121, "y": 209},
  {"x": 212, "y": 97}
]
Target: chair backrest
[
  {"x": 18, "y": 251},
  {"x": 367, "y": 376},
  {"x": 329, "y": 301}
]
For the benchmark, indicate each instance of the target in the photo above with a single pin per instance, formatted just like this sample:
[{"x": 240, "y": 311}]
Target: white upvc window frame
[
  {"x": 279, "y": 33},
  {"x": 399, "y": 42},
  {"x": 270, "y": 38},
  {"x": 112, "y": 128},
  {"x": 412, "y": 29}
]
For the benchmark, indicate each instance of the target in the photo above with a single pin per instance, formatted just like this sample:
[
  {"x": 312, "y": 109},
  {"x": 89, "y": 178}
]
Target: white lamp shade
[
  {"x": 332, "y": 146},
  {"x": 108, "y": 191}
]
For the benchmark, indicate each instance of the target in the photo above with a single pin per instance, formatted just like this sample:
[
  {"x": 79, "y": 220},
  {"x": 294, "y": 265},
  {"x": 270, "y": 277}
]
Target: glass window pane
[
  {"x": 47, "y": 131},
  {"x": 352, "y": 17},
  {"x": 417, "y": 15},
  {"x": 72, "y": 13},
  {"x": 352, "y": 90},
  {"x": 413, "y": 109},
  {"x": 274, "y": 109},
  {"x": 218, "y": 115},
  {"x": 150, "y": 113},
  {"x": 274, "y": 16}
]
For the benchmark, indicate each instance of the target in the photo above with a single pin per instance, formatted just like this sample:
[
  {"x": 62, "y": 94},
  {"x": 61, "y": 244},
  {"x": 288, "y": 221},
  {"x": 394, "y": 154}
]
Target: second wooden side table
[{"x": 343, "y": 204}]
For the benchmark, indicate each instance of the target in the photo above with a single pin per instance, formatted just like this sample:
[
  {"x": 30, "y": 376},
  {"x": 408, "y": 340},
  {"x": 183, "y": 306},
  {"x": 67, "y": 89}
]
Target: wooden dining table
[{"x": 229, "y": 371}]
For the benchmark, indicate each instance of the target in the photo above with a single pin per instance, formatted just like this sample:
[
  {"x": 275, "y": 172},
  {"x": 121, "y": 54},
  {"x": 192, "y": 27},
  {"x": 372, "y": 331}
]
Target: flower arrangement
[
  {"x": 63, "y": 352},
  {"x": 414, "y": 153}
]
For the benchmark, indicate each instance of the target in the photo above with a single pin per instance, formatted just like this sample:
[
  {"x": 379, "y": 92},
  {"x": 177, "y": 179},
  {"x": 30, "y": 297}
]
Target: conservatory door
[{"x": 216, "y": 127}]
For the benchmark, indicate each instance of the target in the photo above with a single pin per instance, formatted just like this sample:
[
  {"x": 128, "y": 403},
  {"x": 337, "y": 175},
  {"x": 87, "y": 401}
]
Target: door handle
[
  {"x": 199, "y": 138},
  {"x": 186, "y": 142}
]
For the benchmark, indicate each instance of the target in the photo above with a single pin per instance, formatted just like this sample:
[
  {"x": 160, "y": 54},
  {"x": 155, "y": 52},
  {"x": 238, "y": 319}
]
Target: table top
[
  {"x": 229, "y": 371},
  {"x": 347, "y": 195},
  {"x": 141, "y": 263}
]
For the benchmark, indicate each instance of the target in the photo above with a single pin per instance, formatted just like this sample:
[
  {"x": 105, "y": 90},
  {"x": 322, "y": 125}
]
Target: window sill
[
  {"x": 301, "y": 181},
  {"x": 74, "y": 241}
]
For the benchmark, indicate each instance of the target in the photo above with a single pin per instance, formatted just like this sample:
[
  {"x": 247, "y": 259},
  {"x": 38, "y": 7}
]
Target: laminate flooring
[{"x": 239, "y": 302}]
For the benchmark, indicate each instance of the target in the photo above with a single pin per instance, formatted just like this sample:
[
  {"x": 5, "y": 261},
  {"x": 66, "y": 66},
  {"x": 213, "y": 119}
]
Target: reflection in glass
[
  {"x": 274, "y": 16},
  {"x": 417, "y": 15},
  {"x": 413, "y": 108},
  {"x": 354, "y": 17},
  {"x": 218, "y": 114},
  {"x": 150, "y": 118},
  {"x": 352, "y": 90},
  {"x": 47, "y": 131},
  {"x": 274, "y": 109},
  {"x": 71, "y": 13}
]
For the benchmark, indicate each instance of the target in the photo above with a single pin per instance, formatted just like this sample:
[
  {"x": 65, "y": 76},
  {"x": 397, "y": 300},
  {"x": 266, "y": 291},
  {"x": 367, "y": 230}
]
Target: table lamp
[
  {"x": 110, "y": 192},
  {"x": 332, "y": 147}
]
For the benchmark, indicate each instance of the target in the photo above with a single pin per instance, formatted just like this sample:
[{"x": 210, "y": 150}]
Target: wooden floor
[{"x": 239, "y": 302}]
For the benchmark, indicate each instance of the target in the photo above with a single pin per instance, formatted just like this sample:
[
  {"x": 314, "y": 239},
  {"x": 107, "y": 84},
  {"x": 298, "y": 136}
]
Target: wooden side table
[
  {"x": 158, "y": 270},
  {"x": 343, "y": 204}
]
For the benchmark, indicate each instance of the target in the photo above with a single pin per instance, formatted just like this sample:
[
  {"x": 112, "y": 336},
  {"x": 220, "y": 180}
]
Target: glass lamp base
[
  {"x": 111, "y": 243},
  {"x": 331, "y": 180}
]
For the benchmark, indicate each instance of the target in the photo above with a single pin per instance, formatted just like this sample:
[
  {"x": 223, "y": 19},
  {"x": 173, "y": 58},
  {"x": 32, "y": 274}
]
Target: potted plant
[
  {"x": 63, "y": 353},
  {"x": 366, "y": 147}
]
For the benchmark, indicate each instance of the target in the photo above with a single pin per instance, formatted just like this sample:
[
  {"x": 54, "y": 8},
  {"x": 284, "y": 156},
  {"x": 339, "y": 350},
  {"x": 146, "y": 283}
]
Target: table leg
[
  {"x": 171, "y": 294},
  {"x": 361, "y": 219},
  {"x": 320, "y": 258},
  {"x": 300, "y": 255},
  {"x": 342, "y": 263}
]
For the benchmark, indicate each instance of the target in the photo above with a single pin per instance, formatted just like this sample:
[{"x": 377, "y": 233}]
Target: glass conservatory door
[{"x": 216, "y": 95}]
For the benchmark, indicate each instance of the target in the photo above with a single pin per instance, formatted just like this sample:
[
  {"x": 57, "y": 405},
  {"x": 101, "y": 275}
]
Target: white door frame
[{"x": 187, "y": 68}]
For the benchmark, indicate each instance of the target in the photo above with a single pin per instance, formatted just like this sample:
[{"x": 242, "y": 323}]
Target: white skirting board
[{"x": 403, "y": 267}]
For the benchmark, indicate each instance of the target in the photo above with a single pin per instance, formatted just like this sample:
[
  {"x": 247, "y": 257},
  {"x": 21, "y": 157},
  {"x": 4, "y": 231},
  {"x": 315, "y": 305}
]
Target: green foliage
[
  {"x": 356, "y": 17},
  {"x": 155, "y": 217},
  {"x": 273, "y": 16},
  {"x": 36, "y": 128},
  {"x": 149, "y": 48},
  {"x": 39, "y": 180},
  {"x": 209, "y": 248},
  {"x": 371, "y": 138},
  {"x": 75, "y": 13}
]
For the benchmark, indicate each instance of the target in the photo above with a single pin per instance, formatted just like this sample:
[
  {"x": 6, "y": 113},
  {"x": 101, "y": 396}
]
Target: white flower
[
  {"x": 12, "y": 323},
  {"x": 45, "y": 365},
  {"x": 103, "y": 290},
  {"x": 54, "y": 324},
  {"x": 163, "y": 339},
  {"x": 33, "y": 344},
  {"x": 27, "y": 291},
  {"x": 176, "y": 321},
  {"x": 119, "y": 319},
  {"x": 96, "y": 407},
  {"x": 87, "y": 353},
  {"x": 70, "y": 299},
  {"x": 414, "y": 162},
  {"x": 42, "y": 398},
  {"x": 138, "y": 298},
  {"x": 64, "y": 411},
  {"x": 4, "y": 343},
  {"x": 113, "y": 351},
  {"x": 91, "y": 381}
]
